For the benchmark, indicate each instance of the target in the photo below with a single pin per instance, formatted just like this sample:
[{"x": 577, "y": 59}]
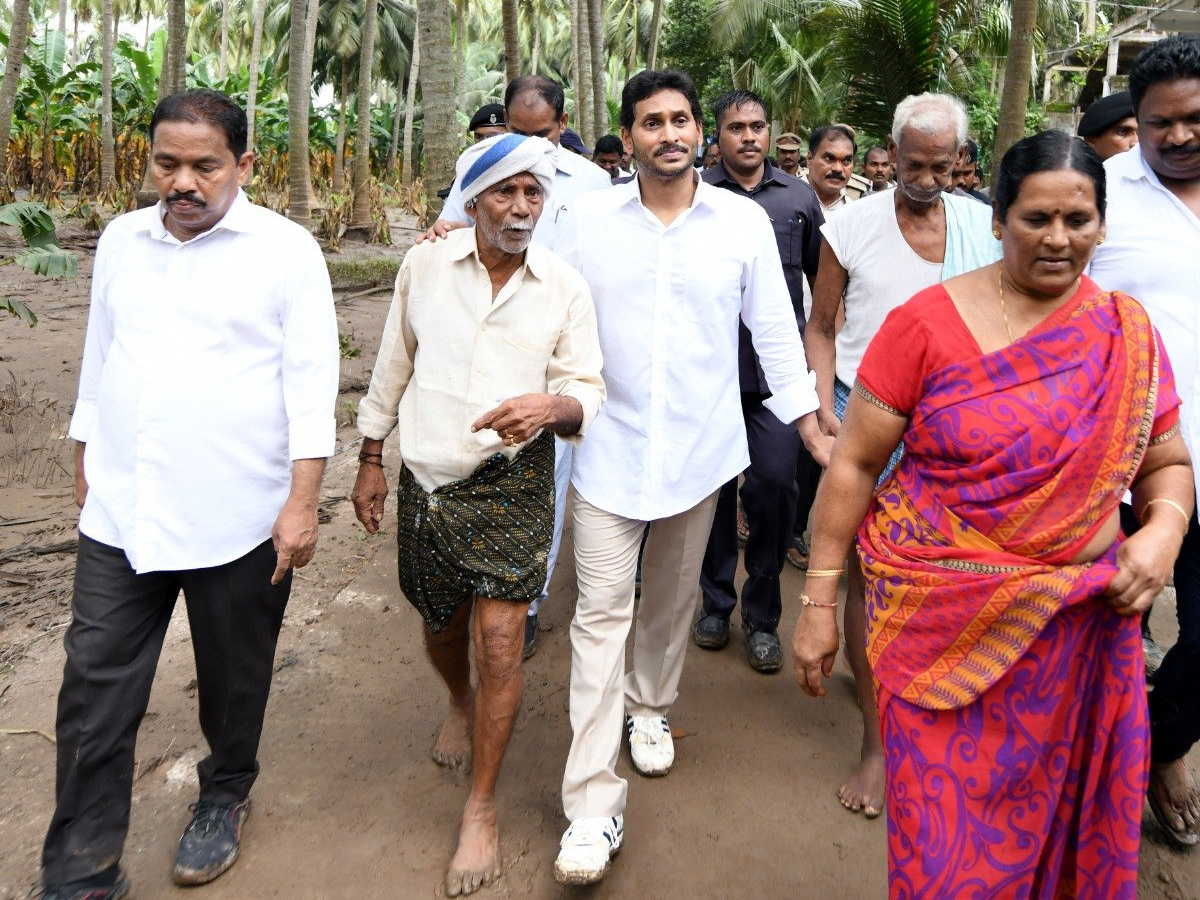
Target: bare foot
[
  {"x": 476, "y": 863},
  {"x": 863, "y": 790},
  {"x": 1175, "y": 801},
  {"x": 452, "y": 749}
]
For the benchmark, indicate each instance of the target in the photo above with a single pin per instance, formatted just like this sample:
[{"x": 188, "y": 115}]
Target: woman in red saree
[{"x": 1002, "y": 602}]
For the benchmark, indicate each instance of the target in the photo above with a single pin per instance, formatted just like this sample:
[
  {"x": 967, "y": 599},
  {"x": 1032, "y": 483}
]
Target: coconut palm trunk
[
  {"x": 177, "y": 44},
  {"x": 339, "y": 142},
  {"x": 410, "y": 102},
  {"x": 260, "y": 9},
  {"x": 361, "y": 226},
  {"x": 299, "y": 87},
  {"x": 108, "y": 154},
  {"x": 1018, "y": 72},
  {"x": 598, "y": 70},
  {"x": 437, "y": 98},
  {"x": 397, "y": 120},
  {"x": 512, "y": 44},
  {"x": 223, "y": 59},
  {"x": 17, "y": 35},
  {"x": 580, "y": 27},
  {"x": 655, "y": 35}
]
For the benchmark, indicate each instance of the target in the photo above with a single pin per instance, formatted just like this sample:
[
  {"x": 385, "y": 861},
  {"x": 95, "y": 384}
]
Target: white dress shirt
[
  {"x": 450, "y": 353},
  {"x": 1152, "y": 252},
  {"x": 668, "y": 299},
  {"x": 207, "y": 367},
  {"x": 574, "y": 176}
]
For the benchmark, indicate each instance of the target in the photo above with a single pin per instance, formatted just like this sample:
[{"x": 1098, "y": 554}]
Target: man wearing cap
[
  {"x": 787, "y": 153},
  {"x": 573, "y": 142},
  {"x": 1109, "y": 126},
  {"x": 534, "y": 105},
  {"x": 490, "y": 349},
  {"x": 487, "y": 122}
]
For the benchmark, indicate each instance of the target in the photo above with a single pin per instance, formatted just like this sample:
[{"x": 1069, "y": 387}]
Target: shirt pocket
[{"x": 789, "y": 237}]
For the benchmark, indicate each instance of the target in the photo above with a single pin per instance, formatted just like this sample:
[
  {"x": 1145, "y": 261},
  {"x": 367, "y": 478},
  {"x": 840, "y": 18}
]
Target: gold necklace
[{"x": 1003, "y": 310}]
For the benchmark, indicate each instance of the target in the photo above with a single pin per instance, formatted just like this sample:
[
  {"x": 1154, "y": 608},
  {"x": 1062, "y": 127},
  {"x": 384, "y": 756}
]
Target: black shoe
[
  {"x": 210, "y": 842},
  {"x": 711, "y": 632},
  {"x": 83, "y": 890},
  {"x": 530, "y": 637},
  {"x": 763, "y": 651}
]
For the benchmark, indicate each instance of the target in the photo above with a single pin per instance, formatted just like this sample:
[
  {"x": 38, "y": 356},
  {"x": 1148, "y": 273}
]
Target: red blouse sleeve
[
  {"x": 897, "y": 359},
  {"x": 1166, "y": 411}
]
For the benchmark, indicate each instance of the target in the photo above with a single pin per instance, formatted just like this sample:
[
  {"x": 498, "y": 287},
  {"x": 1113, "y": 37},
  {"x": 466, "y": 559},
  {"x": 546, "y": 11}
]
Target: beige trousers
[{"x": 606, "y": 554}]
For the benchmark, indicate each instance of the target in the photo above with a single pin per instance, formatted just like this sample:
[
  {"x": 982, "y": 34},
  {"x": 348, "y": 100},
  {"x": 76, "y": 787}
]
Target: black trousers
[
  {"x": 769, "y": 497},
  {"x": 1175, "y": 699},
  {"x": 808, "y": 479},
  {"x": 119, "y": 619}
]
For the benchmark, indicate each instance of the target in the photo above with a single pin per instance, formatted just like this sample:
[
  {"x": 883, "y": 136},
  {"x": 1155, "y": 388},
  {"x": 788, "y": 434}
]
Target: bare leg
[
  {"x": 499, "y": 640},
  {"x": 864, "y": 789},
  {"x": 448, "y": 651}
]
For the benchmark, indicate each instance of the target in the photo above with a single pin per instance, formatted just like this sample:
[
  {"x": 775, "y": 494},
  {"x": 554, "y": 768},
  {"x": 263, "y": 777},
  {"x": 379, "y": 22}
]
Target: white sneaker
[
  {"x": 650, "y": 744},
  {"x": 586, "y": 850}
]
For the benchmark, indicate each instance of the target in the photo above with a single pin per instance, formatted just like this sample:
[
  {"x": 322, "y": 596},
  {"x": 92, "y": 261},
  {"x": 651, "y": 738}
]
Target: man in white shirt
[
  {"x": 489, "y": 350},
  {"x": 535, "y": 105},
  {"x": 877, "y": 253},
  {"x": 1152, "y": 252},
  {"x": 204, "y": 418},
  {"x": 694, "y": 260}
]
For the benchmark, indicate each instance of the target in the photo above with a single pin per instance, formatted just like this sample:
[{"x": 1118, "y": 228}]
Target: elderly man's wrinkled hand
[
  {"x": 518, "y": 419},
  {"x": 814, "y": 648},
  {"x": 440, "y": 229},
  {"x": 368, "y": 496},
  {"x": 1144, "y": 563},
  {"x": 295, "y": 538}
]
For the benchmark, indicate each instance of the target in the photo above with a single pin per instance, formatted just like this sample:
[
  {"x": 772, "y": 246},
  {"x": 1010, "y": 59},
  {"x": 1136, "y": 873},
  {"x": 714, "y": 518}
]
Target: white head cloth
[{"x": 491, "y": 161}]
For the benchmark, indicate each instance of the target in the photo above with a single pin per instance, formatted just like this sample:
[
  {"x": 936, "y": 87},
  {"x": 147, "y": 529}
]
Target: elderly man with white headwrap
[{"x": 490, "y": 349}]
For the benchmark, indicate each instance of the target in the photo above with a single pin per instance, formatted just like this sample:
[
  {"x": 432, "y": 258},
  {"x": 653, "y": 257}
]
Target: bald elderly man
[{"x": 490, "y": 349}]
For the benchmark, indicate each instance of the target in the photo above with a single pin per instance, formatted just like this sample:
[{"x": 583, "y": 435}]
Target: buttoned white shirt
[
  {"x": 1152, "y": 252},
  {"x": 574, "y": 176},
  {"x": 207, "y": 367},
  {"x": 451, "y": 353},
  {"x": 668, "y": 300}
]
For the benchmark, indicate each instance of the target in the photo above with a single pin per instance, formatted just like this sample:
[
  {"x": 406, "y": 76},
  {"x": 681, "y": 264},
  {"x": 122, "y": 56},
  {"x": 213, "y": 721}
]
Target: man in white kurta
[{"x": 489, "y": 351}]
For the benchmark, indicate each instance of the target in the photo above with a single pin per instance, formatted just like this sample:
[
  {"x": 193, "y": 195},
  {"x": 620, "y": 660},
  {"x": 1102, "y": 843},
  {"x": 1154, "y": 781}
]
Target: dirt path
[{"x": 349, "y": 804}]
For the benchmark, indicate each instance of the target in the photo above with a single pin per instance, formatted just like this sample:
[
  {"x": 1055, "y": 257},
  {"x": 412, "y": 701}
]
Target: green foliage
[
  {"x": 687, "y": 44},
  {"x": 347, "y": 349},
  {"x": 44, "y": 255}
]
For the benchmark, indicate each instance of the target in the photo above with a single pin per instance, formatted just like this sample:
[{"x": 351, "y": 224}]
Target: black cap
[
  {"x": 1105, "y": 113},
  {"x": 573, "y": 142},
  {"x": 492, "y": 114}
]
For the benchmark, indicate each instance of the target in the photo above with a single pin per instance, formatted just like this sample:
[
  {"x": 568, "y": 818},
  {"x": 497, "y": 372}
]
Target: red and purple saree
[{"x": 1012, "y": 700}]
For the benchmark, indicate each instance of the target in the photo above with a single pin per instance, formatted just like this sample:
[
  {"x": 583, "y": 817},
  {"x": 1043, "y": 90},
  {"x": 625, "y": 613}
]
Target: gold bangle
[
  {"x": 805, "y": 600},
  {"x": 826, "y": 573},
  {"x": 1187, "y": 520}
]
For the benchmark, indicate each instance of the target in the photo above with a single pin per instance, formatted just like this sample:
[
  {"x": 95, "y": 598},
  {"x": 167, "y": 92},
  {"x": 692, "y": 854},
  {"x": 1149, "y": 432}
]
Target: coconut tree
[
  {"x": 410, "y": 102},
  {"x": 177, "y": 30},
  {"x": 260, "y": 9},
  {"x": 437, "y": 98},
  {"x": 1018, "y": 72},
  {"x": 299, "y": 89},
  {"x": 360, "y": 220},
  {"x": 108, "y": 160},
  {"x": 595, "y": 12},
  {"x": 512, "y": 45},
  {"x": 17, "y": 35}
]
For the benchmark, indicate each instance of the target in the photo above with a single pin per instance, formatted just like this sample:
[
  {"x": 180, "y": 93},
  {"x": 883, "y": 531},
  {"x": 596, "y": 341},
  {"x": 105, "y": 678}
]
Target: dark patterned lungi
[{"x": 488, "y": 534}]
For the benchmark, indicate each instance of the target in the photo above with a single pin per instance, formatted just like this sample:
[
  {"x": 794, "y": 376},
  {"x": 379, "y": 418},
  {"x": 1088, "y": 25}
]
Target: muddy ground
[{"x": 349, "y": 804}]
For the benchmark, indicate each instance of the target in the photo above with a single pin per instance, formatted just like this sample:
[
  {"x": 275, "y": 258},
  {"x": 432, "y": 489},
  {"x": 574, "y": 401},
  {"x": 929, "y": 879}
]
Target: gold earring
[
  {"x": 1099, "y": 242},
  {"x": 996, "y": 233}
]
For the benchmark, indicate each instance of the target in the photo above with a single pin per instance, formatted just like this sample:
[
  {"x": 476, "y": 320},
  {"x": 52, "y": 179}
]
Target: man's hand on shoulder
[{"x": 440, "y": 229}]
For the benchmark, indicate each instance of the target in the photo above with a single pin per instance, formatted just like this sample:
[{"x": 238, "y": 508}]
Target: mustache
[
  {"x": 1184, "y": 150},
  {"x": 920, "y": 195},
  {"x": 834, "y": 176},
  {"x": 670, "y": 148},
  {"x": 188, "y": 197}
]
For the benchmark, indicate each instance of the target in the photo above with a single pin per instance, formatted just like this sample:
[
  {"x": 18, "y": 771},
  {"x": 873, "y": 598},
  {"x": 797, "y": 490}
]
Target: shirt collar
[
  {"x": 634, "y": 193},
  {"x": 768, "y": 176},
  {"x": 237, "y": 218},
  {"x": 463, "y": 242}
]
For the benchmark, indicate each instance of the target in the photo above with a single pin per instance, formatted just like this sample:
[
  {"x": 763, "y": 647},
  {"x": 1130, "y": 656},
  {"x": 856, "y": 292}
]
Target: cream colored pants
[{"x": 606, "y": 554}]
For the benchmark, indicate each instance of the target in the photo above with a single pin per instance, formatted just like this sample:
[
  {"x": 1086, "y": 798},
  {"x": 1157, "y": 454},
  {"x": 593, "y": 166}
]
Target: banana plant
[{"x": 43, "y": 254}]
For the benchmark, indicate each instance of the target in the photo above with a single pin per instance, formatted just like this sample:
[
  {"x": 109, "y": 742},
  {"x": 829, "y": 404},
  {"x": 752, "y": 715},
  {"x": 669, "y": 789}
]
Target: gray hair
[{"x": 931, "y": 114}]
